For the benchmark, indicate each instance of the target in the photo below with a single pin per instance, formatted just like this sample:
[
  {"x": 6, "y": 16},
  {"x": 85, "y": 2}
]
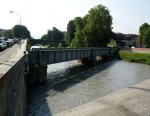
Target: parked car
[
  {"x": 1, "y": 47},
  {"x": 11, "y": 40},
  {"x": 4, "y": 45},
  {"x": 9, "y": 43},
  {"x": 16, "y": 40}
]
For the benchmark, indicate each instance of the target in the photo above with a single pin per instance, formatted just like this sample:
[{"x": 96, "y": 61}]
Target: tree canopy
[
  {"x": 9, "y": 33},
  {"x": 70, "y": 31},
  {"x": 54, "y": 34},
  {"x": 18, "y": 31},
  {"x": 21, "y": 31},
  {"x": 94, "y": 29},
  {"x": 144, "y": 35}
]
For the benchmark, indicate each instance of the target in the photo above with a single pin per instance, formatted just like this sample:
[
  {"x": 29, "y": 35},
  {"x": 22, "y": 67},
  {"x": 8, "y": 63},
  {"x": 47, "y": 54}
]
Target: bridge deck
[{"x": 49, "y": 56}]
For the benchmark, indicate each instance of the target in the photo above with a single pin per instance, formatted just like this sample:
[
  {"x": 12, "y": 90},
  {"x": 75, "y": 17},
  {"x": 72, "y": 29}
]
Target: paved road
[
  {"x": 9, "y": 52},
  {"x": 5, "y": 55},
  {"x": 10, "y": 56}
]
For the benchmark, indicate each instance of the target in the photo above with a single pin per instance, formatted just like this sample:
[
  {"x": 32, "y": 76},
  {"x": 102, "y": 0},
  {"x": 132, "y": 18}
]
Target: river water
[{"x": 60, "y": 94}]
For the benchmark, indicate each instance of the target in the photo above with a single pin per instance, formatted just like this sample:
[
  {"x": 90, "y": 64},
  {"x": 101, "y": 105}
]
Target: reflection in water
[{"x": 53, "y": 98}]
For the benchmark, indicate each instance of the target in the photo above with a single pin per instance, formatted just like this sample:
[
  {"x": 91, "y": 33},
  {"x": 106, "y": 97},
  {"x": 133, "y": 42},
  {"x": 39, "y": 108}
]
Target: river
[{"x": 91, "y": 84}]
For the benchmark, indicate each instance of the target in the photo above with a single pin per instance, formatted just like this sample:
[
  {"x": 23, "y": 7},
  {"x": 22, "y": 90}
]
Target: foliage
[
  {"x": 70, "y": 32},
  {"x": 8, "y": 33},
  {"x": 28, "y": 45},
  {"x": 112, "y": 43},
  {"x": 92, "y": 30},
  {"x": 60, "y": 45},
  {"x": 44, "y": 37},
  {"x": 98, "y": 26},
  {"x": 54, "y": 34},
  {"x": 144, "y": 35},
  {"x": 21, "y": 31},
  {"x": 134, "y": 57},
  {"x": 78, "y": 40}
]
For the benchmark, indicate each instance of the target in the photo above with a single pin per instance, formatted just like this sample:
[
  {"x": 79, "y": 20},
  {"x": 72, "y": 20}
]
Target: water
[{"x": 49, "y": 99}]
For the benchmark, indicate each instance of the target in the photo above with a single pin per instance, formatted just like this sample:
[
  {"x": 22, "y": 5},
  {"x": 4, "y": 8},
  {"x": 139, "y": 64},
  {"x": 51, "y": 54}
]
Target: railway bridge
[{"x": 40, "y": 58}]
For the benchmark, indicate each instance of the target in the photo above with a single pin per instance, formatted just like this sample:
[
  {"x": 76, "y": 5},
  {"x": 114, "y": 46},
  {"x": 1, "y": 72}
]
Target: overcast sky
[{"x": 40, "y": 15}]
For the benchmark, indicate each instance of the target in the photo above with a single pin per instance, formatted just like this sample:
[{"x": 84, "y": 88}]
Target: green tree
[
  {"x": 142, "y": 31},
  {"x": 78, "y": 40},
  {"x": 21, "y": 31},
  {"x": 146, "y": 37},
  {"x": 9, "y": 33},
  {"x": 98, "y": 28},
  {"x": 49, "y": 34},
  {"x": 56, "y": 34},
  {"x": 94, "y": 29},
  {"x": 44, "y": 37},
  {"x": 70, "y": 32}
]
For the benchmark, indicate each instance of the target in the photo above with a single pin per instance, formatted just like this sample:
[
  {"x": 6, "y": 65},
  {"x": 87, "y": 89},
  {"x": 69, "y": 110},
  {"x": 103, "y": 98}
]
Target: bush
[{"x": 134, "y": 57}]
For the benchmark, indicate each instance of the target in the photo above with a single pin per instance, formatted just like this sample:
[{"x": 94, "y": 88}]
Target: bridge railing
[
  {"x": 40, "y": 58},
  {"x": 46, "y": 56}
]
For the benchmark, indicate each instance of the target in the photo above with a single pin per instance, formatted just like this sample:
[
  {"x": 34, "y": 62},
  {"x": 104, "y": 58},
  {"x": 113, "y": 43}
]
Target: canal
[{"x": 64, "y": 91}]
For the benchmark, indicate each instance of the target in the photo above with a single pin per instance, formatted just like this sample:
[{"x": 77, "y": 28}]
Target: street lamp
[{"x": 17, "y": 14}]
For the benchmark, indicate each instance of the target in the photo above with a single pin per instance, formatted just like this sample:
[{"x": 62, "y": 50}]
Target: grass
[{"x": 134, "y": 57}]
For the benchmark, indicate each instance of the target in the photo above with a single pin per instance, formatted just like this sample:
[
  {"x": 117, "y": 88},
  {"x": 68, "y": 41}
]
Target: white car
[
  {"x": 4, "y": 45},
  {"x": 1, "y": 47},
  {"x": 32, "y": 47}
]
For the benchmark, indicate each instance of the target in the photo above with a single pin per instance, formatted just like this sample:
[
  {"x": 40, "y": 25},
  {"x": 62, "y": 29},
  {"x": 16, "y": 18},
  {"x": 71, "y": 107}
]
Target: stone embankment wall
[{"x": 13, "y": 90}]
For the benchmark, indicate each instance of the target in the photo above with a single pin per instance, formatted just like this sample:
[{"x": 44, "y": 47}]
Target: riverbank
[
  {"x": 134, "y": 57},
  {"x": 132, "y": 101}
]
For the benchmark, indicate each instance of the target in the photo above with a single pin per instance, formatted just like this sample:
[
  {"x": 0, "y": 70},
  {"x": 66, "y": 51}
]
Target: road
[
  {"x": 10, "y": 52},
  {"x": 10, "y": 56}
]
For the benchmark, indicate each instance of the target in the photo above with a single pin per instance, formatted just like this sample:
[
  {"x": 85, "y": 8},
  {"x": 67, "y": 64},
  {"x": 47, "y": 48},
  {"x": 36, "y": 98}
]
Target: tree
[
  {"x": 142, "y": 31},
  {"x": 44, "y": 37},
  {"x": 78, "y": 40},
  {"x": 49, "y": 34},
  {"x": 56, "y": 34},
  {"x": 146, "y": 37},
  {"x": 70, "y": 32},
  {"x": 94, "y": 29},
  {"x": 8, "y": 33},
  {"x": 21, "y": 31},
  {"x": 98, "y": 28}
]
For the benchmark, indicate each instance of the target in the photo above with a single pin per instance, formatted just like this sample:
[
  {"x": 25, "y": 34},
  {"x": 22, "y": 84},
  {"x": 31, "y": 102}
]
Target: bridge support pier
[
  {"x": 37, "y": 74},
  {"x": 88, "y": 61},
  {"x": 37, "y": 69}
]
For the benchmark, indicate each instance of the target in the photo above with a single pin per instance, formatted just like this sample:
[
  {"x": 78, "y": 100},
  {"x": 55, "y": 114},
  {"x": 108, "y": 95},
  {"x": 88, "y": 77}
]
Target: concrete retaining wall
[{"x": 13, "y": 90}]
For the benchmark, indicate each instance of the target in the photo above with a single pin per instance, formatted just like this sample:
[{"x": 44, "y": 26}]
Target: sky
[{"x": 41, "y": 15}]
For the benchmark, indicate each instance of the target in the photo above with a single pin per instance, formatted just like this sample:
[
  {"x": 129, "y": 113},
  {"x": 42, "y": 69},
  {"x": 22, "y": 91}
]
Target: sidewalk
[
  {"x": 18, "y": 53},
  {"x": 132, "y": 101}
]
